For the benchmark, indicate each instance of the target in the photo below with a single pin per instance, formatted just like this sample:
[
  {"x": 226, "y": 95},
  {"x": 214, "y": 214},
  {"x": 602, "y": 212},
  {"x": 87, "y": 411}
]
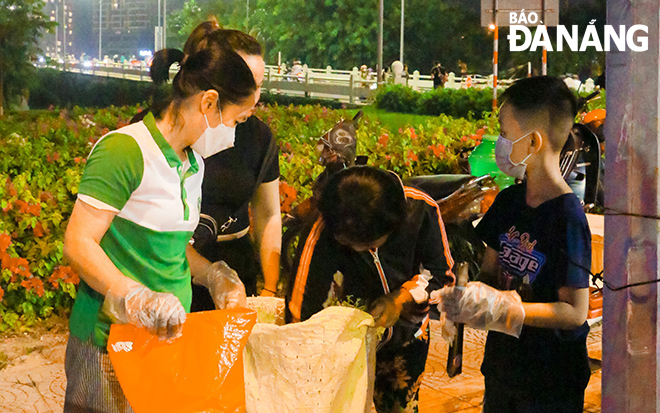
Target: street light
[
  {"x": 401, "y": 48},
  {"x": 100, "y": 28},
  {"x": 379, "y": 67}
]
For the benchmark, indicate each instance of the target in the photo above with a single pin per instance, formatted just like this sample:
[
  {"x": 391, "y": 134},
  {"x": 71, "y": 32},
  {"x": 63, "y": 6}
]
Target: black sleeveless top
[{"x": 230, "y": 176}]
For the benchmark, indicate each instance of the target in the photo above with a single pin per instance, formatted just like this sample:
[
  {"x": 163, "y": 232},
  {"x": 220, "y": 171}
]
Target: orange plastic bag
[{"x": 201, "y": 371}]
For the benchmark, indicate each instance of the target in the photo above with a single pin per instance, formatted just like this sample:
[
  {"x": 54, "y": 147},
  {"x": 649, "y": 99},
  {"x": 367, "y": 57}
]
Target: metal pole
[
  {"x": 64, "y": 34},
  {"x": 379, "y": 67},
  {"x": 402, "y": 21},
  {"x": 159, "y": 43},
  {"x": 164, "y": 32},
  {"x": 247, "y": 16},
  {"x": 57, "y": 33},
  {"x": 495, "y": 50},
  {"x": 544, "y": 66},
  {"x": 631, "y": 356},
  {"x": 100, "y": 29}
]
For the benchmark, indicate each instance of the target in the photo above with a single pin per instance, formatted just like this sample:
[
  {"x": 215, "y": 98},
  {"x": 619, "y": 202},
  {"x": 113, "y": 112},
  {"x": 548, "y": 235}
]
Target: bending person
[
  {"x": 385, "y": 245},
  {"x": 138, "y": 204}
]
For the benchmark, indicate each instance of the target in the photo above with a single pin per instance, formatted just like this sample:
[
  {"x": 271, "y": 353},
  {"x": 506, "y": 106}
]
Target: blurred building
[
  {"x": 127, "y": 25},
  {"x": 61, "y": 41}
]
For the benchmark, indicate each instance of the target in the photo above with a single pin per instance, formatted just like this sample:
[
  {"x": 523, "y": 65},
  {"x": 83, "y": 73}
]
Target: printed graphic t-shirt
[
  {"x": 540, "y": 250},
  {"x": 136, "y": 173}
]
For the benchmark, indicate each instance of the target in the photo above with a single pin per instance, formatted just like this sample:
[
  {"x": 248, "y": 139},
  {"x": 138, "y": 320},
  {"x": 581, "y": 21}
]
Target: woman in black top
[{"x": 230, "y": 191}]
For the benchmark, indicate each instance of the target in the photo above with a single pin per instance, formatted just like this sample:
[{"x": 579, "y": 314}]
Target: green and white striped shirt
[{"x": 134, "y": 172}]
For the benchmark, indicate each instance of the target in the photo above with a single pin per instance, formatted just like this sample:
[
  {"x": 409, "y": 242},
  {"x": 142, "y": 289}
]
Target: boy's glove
[
  {"x": 131, "y": 302},
  {"x": 480, "y": 306},
  {"x": 224, "y": 285}
]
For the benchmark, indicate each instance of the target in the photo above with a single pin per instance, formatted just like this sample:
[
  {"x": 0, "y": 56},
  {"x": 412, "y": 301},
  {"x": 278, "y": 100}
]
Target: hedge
[
  {"x": 54, "y": 88},
  {"x": 458, "y": 103}
]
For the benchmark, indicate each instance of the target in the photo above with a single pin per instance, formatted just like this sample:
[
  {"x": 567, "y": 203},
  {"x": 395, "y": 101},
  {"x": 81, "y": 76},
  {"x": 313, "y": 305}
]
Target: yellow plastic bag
[
  {"x": 323, "y": 365},
  {"x": 201, "y": 371}
]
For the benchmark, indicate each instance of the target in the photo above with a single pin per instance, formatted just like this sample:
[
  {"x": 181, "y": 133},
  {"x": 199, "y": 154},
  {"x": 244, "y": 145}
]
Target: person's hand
[
  {"x": 224, "y": 285},
  {"x": 386, "y": 309},
  {"x": 481, "y": 306},
  {"x": 131, "y": 302}
]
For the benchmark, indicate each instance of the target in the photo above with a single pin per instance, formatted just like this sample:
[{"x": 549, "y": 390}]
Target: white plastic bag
[{"x": 323, "y": 365}]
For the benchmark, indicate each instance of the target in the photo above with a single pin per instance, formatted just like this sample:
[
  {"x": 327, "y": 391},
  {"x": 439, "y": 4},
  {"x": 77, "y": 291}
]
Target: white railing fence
[{"x": 349, "y": 86}]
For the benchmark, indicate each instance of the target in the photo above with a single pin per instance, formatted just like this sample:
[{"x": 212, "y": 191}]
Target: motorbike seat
[{"x": 438, "y": 186}]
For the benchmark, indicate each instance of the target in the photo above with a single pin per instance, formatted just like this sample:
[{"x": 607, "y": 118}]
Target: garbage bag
[
  {"x": 201, "y": 371},
  {"x": 323, "y": 365}
]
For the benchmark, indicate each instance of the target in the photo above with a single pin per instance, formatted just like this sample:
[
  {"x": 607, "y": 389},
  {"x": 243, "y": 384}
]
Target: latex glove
[
  {"x": 224, "y": 285},
  {"x": 162, "y": 314},
  {"x": 449, "y": 329},
  {"x": 386, "y": 309},
  {"x": 481, "y": 306}
]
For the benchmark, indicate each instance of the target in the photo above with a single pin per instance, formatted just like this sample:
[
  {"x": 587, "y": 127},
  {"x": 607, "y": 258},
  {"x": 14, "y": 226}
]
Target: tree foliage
[
  {"x": 343, "y": 33},
  {"x": 22, "y": 22}
]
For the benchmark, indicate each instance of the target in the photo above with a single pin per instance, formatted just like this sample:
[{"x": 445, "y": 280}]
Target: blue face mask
[{"x": 503, "y": 149}]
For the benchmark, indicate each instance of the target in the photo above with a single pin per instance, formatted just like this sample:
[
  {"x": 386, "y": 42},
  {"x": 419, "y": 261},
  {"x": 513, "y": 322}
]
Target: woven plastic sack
[
  {"x": 323, "y": 365},
  {"x": 270, "y": 310},
  {"x": 201, "y": 371}
]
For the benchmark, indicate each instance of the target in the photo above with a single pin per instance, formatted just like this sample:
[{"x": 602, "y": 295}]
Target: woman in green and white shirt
[{"x": 138, "y": 205}]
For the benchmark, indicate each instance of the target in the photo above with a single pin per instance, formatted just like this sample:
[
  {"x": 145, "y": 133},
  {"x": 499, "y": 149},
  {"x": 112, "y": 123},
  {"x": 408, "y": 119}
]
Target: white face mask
[
  {"x": 214, "y": 140},
  {"x": 503, "y": 149}
]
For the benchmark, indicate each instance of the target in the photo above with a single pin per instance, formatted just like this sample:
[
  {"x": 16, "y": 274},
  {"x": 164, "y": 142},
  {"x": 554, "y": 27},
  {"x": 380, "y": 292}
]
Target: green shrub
[
  {"x": 63, "y": 89},
  {"x": 458, "y": 103},
  {"x": 269, "y": 99},
  {"x": 42, "y": 157}
]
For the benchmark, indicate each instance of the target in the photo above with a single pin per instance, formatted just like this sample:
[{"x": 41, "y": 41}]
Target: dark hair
[
  {"x": 209, "y": 61},
  {"x": 362, "y": 204},
  {"x": 543, "y": 93},
  {"x": 240, "y": 42}
]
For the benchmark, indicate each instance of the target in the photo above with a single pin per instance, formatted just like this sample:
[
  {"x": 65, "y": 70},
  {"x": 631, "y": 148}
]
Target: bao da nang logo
[{"x": 619, "y": 38}]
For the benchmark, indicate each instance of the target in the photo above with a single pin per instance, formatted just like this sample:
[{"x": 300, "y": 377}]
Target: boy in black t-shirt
[{"x": 538, "y": 247}]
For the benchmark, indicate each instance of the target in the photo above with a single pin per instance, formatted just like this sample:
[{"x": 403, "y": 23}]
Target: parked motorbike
[
  {"x": 582, "y": 167},
  {"x": 581, "y": 162}
]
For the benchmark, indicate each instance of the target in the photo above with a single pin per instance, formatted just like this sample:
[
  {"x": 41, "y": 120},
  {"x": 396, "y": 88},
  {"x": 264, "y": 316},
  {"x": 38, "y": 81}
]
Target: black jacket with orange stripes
[{"x": 419, "y": 244}]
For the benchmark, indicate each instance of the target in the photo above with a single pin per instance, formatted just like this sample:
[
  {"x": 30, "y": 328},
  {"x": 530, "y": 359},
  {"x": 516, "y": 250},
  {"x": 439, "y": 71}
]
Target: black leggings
[
  {"x": 500, "y": 399},
  {"x": 239, "y": 254}
]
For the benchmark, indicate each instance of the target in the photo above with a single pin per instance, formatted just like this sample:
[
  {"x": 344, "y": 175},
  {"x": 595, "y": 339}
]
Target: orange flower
[
  {"x": 384, "y": 138},
  {"x": 38, "y": 230},
  {"x": 45, "y": 196},
  {"x": 413, "y": 135},
  {"x": 33, "y": 283},
  {"x": 5, "y": 242},
  {"x": 2, "y": 293},
  {"x": 437, "y": 150},
  {"x": 411, "y": 156},
  {"x": 65, "y": 274},
  {"x": 8, "y": 207},
  {"x": 34, "y": 209},
  {"x": 11, "y": 188},
  {"x": 22, "y": 206}
]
